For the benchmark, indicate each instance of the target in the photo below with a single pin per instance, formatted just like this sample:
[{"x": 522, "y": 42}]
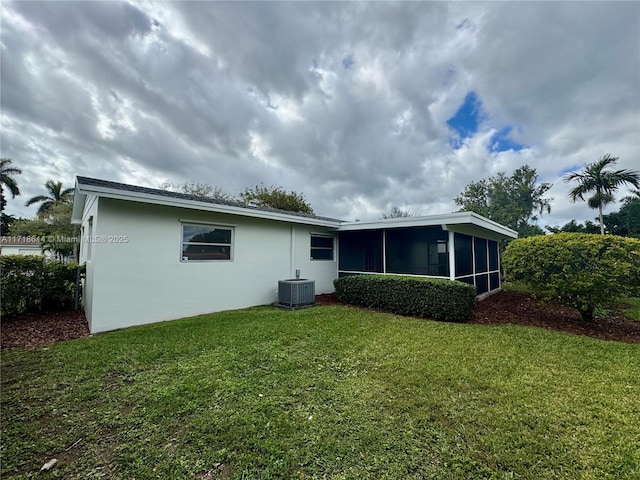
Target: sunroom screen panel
[
  {"x": 417, "y": 251},
  {"x": 464, "y": 254},
  {"x": 482, "y": 284},
  {"x": 493, "y": 255},
  {"x": 361, "y": 251},
  {"x": 480, "y": 254}
]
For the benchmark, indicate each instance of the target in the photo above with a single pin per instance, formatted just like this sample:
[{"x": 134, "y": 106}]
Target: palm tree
[
  {"x": 57, "y": 195},
  {"x": 594, "y": 179},
  {"x": 6, "y": 180}
]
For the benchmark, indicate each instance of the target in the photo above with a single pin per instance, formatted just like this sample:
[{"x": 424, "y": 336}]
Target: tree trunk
[
  {"x": 587, "y": 315},
  {"x": 601, "y": 222}
]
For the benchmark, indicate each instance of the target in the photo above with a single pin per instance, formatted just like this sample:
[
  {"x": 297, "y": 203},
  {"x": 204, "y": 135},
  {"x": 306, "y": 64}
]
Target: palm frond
[
  {"x": 6, "y": 176},
  {"x": 37, "y": 199},
  {"x": 600, "y": 183}
]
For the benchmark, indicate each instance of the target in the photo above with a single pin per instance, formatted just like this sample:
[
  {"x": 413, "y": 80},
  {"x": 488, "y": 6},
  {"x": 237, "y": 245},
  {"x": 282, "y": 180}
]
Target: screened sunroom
[{"x": 460, "y": 246}]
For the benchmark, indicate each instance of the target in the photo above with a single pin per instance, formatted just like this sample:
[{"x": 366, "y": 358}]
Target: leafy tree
[
  {"x": 6, "y": 222},
  {"x": 55, "y": 230},
  {"x": 198, "y": 189},
  {"x": 396, "y": 212},
  {"x": 625, "y": 222},
  {"x": 273, "y": 196},
  {"x": 7, "y": 172},
  {"x": 529, "y": 230},
  {"x": 600, "y": 183},
  {"x": 580, "y": 270},
  {"x": 276, "y": 197},
  {"x": 514, "y": 201},
  {"x": 575, "y": 227},
  {"x": 56, "y": 196}
]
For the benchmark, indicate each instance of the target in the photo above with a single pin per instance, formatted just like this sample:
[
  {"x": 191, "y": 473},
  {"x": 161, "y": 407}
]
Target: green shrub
[
  {"x": 413, "y": 296},
  {"x": 32, "y": 283},
  {"x": 579, "y": 270}
]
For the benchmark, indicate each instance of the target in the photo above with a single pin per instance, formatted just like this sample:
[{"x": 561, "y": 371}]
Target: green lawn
[{"x": 327, "y": 392}]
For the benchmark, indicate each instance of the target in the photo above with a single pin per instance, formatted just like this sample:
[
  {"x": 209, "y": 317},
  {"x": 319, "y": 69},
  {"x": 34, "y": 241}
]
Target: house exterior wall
[
  {"x": 21, "y": 250},
  {"x": 142, "y": 278},
  {"x": 322, "y": 271},
  {"x": 88, "y": 232}
]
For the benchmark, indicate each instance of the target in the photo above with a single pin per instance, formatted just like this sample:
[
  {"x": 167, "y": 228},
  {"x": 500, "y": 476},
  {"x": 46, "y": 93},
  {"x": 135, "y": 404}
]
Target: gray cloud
[{"x": 346, "y": 102}]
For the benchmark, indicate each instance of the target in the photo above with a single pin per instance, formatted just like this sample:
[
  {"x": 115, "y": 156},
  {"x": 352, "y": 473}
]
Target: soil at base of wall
[{"x": 34, "y": 331}]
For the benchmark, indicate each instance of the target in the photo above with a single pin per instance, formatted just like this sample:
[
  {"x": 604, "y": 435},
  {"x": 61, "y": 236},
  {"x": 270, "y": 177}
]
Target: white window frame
[
  {"x": 212, "y": 226},
  {"x": 333, "y": 247}
]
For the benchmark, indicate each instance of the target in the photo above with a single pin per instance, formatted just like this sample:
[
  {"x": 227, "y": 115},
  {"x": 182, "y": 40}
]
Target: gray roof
[
  {"x": 165, "y": 193},
  {"x": 20, "y": 241}
]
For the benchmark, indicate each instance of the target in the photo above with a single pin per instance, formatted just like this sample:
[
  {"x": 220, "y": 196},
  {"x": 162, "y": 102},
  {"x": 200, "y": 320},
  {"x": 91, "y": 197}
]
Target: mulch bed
[
  {"x": 39, "y": 330},
  {"x": 521, "y": 309},
  {"x": 34, "y": 331}
]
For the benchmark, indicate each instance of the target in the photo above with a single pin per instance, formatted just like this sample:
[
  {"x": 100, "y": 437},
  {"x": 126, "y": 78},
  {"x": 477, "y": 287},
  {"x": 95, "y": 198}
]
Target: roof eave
[
  {"x": 105, "y": 192},
  {"x": 450, "y": 221},
  {"x": 79, "y": 200}
]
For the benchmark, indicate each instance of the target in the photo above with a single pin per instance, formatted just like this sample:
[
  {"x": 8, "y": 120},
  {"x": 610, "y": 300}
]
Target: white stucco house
[
  {"x": 14, "y": 245},
  {"x": 153, "y": 255}
]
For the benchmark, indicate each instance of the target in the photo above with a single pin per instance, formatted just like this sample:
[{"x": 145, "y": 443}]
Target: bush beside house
[
  {"x": 32, "y": 283},
  {"x": 418, "y": 297},
  {"x": 583, "y": 271}
]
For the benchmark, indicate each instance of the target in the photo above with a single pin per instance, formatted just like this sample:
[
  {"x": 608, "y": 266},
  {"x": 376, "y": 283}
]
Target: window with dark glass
[
  {"x": 321, "y": 247},
  {"x": 206, "y": 242}
]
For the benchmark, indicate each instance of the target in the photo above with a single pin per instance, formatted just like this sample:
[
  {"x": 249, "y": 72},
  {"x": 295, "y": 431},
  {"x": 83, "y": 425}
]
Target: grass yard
[{"x": 330, "y": 392}]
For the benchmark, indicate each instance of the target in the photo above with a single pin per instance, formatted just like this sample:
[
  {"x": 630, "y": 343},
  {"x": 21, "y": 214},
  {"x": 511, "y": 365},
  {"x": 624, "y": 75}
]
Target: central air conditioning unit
[{"x": 296, "y": 292}]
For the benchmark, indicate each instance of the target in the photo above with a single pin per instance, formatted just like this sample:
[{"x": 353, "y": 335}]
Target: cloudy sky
[{"x": 357, "y": 105}]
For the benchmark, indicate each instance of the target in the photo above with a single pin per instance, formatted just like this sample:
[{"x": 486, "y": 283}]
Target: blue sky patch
[
  {"x": 466, "y": 123},
  {"x": 500, "y": 142},
  {"x": 468, "y": 117},
  {"x": 348, "y": 62},
  {"x": 573, "y": 168}
]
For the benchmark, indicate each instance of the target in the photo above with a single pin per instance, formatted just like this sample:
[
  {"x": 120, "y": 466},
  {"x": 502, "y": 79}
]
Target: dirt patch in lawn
[
  {"x": 35, "y": 331},
  {"x": 521, "y": 309}
]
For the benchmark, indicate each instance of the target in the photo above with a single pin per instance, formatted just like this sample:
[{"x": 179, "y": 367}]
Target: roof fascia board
[
  {"x": 79, "y": 200},
  {"x": 395, "y": 222},
  {"x": 116, "y": 194},
  {"x": 447, "y": 221}
]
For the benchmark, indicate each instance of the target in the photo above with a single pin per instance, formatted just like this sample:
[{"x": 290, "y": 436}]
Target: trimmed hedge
[
  {"x": 580, "y": 270},
  {"x": 412, "y": 296},
  {"x": 32, "y": 283}
]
